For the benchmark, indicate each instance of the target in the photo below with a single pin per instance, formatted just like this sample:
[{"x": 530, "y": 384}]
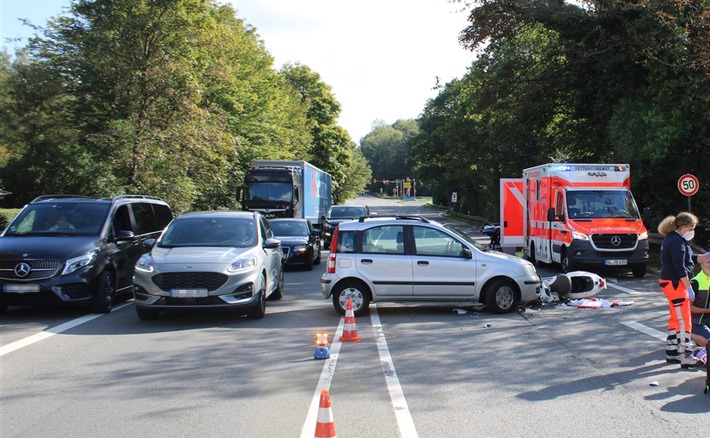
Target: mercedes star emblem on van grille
[
  {"x": 616, "y": 240},
  {"x": 22, "y": 270}
]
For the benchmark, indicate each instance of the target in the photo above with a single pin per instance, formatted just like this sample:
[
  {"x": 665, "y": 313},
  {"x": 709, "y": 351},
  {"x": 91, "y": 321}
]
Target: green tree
[
  {"x": 331, "y": 149},
  {"x": 174, "y": 98}
]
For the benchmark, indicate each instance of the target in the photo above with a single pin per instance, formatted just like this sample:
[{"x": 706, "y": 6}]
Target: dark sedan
[{"x": 300, "y": 242}]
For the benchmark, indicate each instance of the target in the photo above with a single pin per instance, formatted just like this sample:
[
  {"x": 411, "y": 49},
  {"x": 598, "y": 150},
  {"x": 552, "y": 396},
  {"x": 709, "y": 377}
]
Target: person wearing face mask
[{"x": 677, "y": 262}]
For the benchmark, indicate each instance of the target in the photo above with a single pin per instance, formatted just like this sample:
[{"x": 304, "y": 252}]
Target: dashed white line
[{"x": 645, "y": 329}]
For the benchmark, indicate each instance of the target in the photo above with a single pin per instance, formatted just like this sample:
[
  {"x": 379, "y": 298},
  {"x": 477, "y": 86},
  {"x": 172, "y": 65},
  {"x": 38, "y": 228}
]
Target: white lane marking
[
  {"x": 645, "y": 329},
  {"x": 626, "y": 289},
  {"x": 399, "y": 403},
  {"x": 9, "y": 348},
  {"x": 637, "y": 325},
  {"x": 326, "y": 377}
]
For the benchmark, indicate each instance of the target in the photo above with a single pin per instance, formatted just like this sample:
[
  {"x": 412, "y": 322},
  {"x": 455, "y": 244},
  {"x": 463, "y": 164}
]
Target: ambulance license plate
[{"x": 622, "y": 262}]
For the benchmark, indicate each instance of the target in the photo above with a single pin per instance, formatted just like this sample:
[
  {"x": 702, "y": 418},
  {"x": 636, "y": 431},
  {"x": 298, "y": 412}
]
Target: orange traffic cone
[
  {"x": 325, "y": 428},
  {"x": 350, "y": 331}
]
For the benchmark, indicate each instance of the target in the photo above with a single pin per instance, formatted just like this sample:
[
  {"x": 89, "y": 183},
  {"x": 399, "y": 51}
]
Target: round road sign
[{"x": 688, "y": 184}]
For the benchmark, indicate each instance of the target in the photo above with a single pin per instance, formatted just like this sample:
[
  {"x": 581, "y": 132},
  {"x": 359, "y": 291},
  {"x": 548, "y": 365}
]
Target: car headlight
[
  {"x": 79, "y": 262},
  {"x": 579, "y": 236},
  {"x": 145, "y": 264},
  {"x": 243, "y": 264},
  {"x": 643, "y": 236},
  {"x": 300, "y": 248},
  {"x": 530, "y": 269}
]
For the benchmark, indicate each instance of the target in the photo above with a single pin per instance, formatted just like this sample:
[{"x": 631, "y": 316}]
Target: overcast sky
[{"x": 381, "y": 57}]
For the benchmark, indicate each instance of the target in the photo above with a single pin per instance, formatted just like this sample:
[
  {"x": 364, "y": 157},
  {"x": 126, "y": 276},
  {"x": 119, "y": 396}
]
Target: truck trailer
[
  {"x": 582, "y": 216},
  {"x": 291, "y": 189}
]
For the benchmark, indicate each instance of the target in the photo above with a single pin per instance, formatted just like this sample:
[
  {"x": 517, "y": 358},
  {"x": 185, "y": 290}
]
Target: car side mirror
[
  {"x": 148, "y": 244},
  {"x": 272, "y": 243},
  {"x": 466, "y": 253},
  {"x": 124, "y": 235}
]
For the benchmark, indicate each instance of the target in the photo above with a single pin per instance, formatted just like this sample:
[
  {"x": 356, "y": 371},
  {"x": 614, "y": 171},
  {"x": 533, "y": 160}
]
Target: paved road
[{"x": 420, "y": 370}]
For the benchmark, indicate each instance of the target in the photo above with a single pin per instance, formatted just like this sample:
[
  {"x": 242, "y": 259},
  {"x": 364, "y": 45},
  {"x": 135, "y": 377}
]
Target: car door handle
[
  {"x": 423, "y": 263},
  {"x": 366, "y": 261}
]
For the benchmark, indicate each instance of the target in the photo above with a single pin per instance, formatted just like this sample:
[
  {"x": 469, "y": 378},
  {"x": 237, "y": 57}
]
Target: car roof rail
[
  {"x": 119, "y": 197},
  {"x": 46, "y": 197},
  {"x": 397, "y": 217}
]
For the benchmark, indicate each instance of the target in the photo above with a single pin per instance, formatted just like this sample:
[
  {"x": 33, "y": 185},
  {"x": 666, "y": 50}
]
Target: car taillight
[{"x": 330, "y": 267}]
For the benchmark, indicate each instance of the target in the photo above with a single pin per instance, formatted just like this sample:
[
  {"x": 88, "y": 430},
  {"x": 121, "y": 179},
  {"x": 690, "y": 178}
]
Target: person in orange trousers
[{"x": 677, "y": 262}]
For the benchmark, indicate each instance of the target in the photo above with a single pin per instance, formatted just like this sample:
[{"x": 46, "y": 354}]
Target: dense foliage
[
  {"x": 172, "y": 98},
  {"x": 607, "y": 81}
]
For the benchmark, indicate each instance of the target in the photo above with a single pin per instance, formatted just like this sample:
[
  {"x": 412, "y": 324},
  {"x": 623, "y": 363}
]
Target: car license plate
[
  {"x": 21, "y": 288},
  {"x": 622, "y": 262},
  {"x": 188, "y": 293}
]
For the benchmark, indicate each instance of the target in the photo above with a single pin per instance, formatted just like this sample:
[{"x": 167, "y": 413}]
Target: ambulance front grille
[{"x": 614, "y": 241}]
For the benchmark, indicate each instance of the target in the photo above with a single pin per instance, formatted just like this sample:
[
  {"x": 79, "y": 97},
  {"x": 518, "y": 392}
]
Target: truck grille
[
  {"x": 39, "y": 269},
  {"x": 614, "y": 241},
  {"x": 189, "y": 280}
]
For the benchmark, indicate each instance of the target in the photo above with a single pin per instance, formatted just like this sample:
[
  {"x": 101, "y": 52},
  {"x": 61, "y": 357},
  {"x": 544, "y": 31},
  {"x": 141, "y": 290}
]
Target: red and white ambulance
[{"x": 577, "y": 215}]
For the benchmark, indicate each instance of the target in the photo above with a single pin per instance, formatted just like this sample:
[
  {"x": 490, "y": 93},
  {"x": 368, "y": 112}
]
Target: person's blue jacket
[{"x": 677, "y": 258}]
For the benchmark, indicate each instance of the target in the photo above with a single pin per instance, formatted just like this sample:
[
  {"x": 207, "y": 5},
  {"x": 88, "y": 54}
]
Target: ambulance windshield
[{"x": 586, "y": 204}]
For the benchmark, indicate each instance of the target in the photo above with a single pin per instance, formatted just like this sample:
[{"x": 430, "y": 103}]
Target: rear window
[{"x": 346, "y": 241}]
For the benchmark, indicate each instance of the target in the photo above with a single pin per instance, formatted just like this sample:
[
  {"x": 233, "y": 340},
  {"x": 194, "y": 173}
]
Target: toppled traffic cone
[
  {"x": 325, "y": 427},
  {"x": 350, "y": 331}
]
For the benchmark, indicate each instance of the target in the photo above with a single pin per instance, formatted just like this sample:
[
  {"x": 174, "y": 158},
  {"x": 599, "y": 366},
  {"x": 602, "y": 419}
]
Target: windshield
[
  {"x": 209, "y": 231},
  {"x": 583, "y": 204},
  {"x": 269, "y": 191},
  {"x": 346, "y": 213},
  {"x": 59, "y": 219},
  {"x": 289, "y": 228}
]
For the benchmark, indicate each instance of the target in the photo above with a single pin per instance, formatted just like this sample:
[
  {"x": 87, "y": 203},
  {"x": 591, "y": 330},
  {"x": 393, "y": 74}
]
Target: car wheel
[
  {"x": 565, "y": 262},
  {"x": 259, "y": 309},
  {"x": 531, "y": 258},
  {"x": 147, "y": 314},
  {"x": 638, "y": 270},
  {"x": 501, "y": 296},
  {"x": 309, "y": 263},
  {"x": 317, "y": 260},
  {"x": 105, "y": 291},
  {"x": 280, "y": 285},
  {"x": 355, "y": 291}
]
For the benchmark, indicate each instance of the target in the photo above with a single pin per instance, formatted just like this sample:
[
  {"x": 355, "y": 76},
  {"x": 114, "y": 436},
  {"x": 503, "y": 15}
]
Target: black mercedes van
[{"x": 67, "y": 249}]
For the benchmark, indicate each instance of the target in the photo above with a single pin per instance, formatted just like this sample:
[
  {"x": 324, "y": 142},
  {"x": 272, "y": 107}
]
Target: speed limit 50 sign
[{"x": 688, "y": 184}]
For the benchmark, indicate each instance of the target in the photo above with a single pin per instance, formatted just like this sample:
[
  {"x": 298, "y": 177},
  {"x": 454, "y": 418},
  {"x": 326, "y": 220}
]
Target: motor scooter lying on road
[{"x": 575, "y": 285}]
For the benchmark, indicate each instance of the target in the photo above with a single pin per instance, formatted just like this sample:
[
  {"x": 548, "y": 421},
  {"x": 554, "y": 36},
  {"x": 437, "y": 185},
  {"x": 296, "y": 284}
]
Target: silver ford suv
[{"x": 409, "y": 258}]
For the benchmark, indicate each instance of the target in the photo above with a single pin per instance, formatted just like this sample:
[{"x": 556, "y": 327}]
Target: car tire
[
  {"x": 565, "y": 263},
  {"x": 259, "y": 309},
  {"x": 501, "y": 296},
  {"x": 280, "y": 285},
  {"x": 105, "y": 293},
  {"x": 639, "y": 270},
  {"x": 147, "y": 314},
  {"x": 531, "y": 257},
  {"x": 317, "y": 260},
  {"x": 355, "y": 291}
]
